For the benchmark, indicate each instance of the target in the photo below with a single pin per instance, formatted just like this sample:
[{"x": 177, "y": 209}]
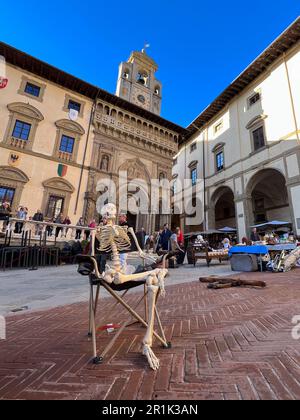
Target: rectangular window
[
  {"x": 218, "y": 127},
  {"x": 74, "y": 105},
  {"x": 21, "y": 130},
  {"x": 175, "y": 161},
  {"x": 258, "y": 138},
  {"x": 32, "y": 89},
  {"x": 6, "y": 195},
  {"x": 193, "y": 147},
  {"x": 194, "y": 176},
  {"x": 174, "y": 187},
  {"x": 55, "y": 207},
  {"x": 253, "y": 99},
  {"x": 220, "y": 161},
  {"x": 67, "y": 144}
]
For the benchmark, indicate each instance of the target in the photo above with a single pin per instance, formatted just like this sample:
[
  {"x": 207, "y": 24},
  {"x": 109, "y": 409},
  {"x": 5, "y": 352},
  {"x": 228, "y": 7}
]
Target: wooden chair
[{"x": 96, "y": 282}]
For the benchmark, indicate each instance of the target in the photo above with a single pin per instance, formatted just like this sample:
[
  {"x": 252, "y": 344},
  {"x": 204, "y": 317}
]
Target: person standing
[
  {"x": 165, "y": 238},
  {"x": 180, "y": 238},
  {"x": 124, "y": 255},
  {"x": 67, "y": 221},
  {"x": 80, "y": 223},
  {"x": 5, "y": 214},
  {"x": 59, "y": 221},
  {"x": 21, "y": 215},
  {"x": 38, "y": 217},
  {"x": 255, "y": 236},
  {"x": 92, "y": 225}
]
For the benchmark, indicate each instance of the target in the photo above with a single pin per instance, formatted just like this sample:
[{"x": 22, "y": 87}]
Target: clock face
[{"x": 141, "y": 99}]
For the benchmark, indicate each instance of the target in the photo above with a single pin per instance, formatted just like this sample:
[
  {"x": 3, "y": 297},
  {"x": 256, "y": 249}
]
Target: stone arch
[
  {"x": 136, "y": 169},
  {"x": 14, "y": 179},
  {"x": 70, "y": 126},
  {"x": 59, "y": 188},
  {"x": 222, "y": 210},
  {"x": 268, "y": 196},
  {"x": 26, "y": 110}
]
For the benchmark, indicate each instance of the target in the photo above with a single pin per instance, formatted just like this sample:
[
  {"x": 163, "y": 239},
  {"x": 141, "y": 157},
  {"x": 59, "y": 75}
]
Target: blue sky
[{"x": 200, "y": 46}]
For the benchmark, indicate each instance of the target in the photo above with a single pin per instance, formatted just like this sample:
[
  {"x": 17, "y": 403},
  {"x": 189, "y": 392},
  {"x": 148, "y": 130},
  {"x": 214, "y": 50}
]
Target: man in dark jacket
[
  {"x": 38, "y": 217},
  {"x": 165, "y": 237},
  {"x": 5, "y": 214}
]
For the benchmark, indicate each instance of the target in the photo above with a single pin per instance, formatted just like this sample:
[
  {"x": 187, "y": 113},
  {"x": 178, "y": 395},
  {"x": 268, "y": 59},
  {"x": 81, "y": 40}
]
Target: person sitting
[
  {"x": 246, "y": 241},
  {"x": 176, "y": 248},
  {"x": 226, "y": 244}
]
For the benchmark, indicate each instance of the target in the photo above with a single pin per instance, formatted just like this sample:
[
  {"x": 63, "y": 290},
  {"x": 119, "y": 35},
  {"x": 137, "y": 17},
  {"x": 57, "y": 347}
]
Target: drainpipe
[{"x": 85, "y": 151}]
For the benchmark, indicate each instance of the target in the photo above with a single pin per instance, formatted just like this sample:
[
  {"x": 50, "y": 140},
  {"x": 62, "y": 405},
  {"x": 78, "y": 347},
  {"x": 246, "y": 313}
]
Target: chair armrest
[{"x": 81, "y": 259}]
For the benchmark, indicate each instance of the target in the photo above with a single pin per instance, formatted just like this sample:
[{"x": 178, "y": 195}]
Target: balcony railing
[
  {"x": 67, "y": 157},
  {"x": 154, "y": 137},
  {"x": 18, "y": 143},
  {"x": 50, "y": 232}
]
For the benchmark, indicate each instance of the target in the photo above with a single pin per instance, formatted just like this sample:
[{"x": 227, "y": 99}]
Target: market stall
[{"x": 277, "y": 243}]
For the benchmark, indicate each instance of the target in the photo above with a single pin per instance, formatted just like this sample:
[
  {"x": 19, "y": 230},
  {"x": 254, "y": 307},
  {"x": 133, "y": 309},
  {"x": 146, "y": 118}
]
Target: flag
[
  {"x": 73, "y": 114},
  {"x": 62, "y": 170}
]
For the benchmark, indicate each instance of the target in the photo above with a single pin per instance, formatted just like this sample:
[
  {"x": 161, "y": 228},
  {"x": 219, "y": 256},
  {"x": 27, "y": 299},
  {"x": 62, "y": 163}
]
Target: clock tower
[{"x": 137, "y": 82}]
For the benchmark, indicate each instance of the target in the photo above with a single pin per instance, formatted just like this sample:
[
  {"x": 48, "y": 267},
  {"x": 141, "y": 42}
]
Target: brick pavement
[{"x": 227, "y": 344}]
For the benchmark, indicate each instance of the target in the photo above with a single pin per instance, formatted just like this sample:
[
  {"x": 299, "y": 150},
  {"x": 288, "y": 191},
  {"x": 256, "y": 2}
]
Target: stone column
[
  {"x": 244, "y": 215},
  {"x": 294, "y": 202}
]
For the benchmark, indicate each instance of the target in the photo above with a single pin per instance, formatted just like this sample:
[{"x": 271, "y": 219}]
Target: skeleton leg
[{"x": 153, "y": 289}]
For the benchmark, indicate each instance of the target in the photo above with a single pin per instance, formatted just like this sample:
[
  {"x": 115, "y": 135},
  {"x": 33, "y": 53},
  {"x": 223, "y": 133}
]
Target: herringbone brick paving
[{"x": 227, "y": 344}]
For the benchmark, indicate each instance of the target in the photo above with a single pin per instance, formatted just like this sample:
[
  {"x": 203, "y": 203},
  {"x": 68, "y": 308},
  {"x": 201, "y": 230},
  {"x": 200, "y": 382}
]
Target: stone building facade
[
  {"x": 59, "y": 136},
  {"x": 245, "y": 145}
]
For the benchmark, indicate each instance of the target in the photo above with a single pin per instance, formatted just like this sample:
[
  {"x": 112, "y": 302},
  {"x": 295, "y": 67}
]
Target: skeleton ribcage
[{"x": 113, "y": 235}]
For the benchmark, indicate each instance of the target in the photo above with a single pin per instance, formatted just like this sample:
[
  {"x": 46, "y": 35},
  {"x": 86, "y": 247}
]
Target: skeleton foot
[
  {"x": 152, "y": 359},
  {"x": 162, "y": 274}
]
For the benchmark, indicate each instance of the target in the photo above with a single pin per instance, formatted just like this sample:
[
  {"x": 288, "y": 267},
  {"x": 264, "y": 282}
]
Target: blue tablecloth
[
  {"x": 255, "y": 249},
  {"x": 282, "y": 247}
]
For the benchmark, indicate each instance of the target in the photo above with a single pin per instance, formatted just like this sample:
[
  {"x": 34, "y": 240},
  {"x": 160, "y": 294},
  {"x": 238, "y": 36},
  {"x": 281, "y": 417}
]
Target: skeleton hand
[{"x": 146, "y": 257}]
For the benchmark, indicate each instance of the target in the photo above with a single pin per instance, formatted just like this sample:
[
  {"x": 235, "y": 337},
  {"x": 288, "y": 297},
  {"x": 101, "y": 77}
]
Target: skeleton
[
  {"x": 290, "y": 261},
  {"x": 114, "y": 239}
]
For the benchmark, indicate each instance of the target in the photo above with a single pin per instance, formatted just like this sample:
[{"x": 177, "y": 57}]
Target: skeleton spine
[{"x": 116, "y": 257}]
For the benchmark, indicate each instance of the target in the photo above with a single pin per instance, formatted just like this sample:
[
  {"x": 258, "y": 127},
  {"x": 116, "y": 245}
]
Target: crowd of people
[{"x": 158, "y": 242}]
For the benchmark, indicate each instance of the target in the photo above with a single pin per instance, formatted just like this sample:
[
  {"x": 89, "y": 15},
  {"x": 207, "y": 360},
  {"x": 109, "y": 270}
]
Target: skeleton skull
[{"x": 109, "y": 211}]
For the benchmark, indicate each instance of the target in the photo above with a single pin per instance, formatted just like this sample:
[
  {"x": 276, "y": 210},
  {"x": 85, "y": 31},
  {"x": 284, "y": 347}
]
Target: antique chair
[{"x": 114, "y": 239}]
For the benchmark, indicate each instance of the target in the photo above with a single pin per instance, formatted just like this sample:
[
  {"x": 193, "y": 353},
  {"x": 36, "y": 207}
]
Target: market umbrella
[
  {"x": 274, "y": 223},
  {"x": 228, "y": 230}
]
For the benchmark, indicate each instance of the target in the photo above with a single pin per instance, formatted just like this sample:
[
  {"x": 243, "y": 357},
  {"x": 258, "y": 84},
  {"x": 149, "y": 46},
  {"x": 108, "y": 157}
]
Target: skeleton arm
[{"x": 141, "y": 253}]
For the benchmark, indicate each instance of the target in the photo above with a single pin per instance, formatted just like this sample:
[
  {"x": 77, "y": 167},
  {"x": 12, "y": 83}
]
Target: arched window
[
  {"x": 143, "y": 78},
  {"x": 126, "y": 73},
  {"x": 157, "y": 90}
]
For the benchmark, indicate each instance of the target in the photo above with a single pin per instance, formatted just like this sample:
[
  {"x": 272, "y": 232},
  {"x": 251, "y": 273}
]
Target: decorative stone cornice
[{"x": 25, "y": 109}]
